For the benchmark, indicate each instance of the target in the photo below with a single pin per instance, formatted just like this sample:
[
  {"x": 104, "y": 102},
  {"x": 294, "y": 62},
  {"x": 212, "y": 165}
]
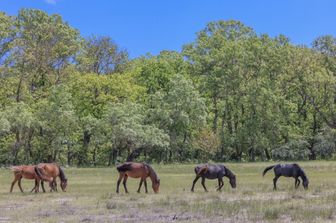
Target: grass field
[{"x": 91, "y": 197}]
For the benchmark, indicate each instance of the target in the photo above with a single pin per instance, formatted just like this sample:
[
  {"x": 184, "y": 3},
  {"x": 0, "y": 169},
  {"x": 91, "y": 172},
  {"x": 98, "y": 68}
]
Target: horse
[
  {"x": 213, "y": 171},
  {"x": 27, "y": 172},
  {"x": 49, "y": 172},
  {"x": 288, "y": 170},
  {"x": 138, "y": 170}
]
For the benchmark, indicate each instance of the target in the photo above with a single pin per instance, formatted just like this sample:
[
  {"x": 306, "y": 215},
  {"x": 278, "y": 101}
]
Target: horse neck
[
  {"x": 62, "y": 175},
  {"x": 228, "y": 173},
  {"x": 152, "y": 173},
  {"x": 303, "y": 175}
]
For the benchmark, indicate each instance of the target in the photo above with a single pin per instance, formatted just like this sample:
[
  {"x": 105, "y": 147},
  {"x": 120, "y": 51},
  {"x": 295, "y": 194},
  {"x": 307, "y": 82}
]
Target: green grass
[{"x": 91, "y": 197}]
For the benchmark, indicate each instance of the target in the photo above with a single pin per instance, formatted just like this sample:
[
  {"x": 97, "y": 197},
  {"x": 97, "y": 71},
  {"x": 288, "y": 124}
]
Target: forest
[{"x": 230, "y": 95}]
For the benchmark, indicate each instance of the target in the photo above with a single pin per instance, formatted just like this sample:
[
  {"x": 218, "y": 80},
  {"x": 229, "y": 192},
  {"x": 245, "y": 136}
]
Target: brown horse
[
  {"x": 27, "y": 172},
  {"x": 138, "y": 170},
  {"x": 49, "y": 172}
]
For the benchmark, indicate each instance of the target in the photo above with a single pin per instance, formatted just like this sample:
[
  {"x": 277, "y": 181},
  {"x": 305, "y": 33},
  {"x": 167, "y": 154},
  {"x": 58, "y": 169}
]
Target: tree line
[{"x": 231, "y": 95}]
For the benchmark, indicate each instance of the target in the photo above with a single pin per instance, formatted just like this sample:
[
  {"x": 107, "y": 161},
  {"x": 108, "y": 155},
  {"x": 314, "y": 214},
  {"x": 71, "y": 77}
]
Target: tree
[
  {"x": 42, "y": 48},
  {"x": 6, "y": 37},
  {"x": 128, "y": 130},
  {"x": 58, "y": 127},
  {"x": 100, "y": 55},
  {"x": 155, "y": 72},
  {"x": 180, "y": 112}
]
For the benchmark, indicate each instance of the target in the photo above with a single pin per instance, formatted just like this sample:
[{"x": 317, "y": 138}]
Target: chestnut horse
[
  {"x": 27, "y": 172},
  {"x": 49, "y": 172},
  {"x": 138, "y": 170}
]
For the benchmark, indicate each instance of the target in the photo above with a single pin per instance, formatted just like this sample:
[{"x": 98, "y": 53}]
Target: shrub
[{"x": 294, "y": 150}]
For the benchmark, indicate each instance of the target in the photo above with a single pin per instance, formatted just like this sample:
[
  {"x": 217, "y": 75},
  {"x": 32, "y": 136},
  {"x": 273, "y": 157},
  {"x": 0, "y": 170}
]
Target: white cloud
[{"x": 52, "y": 2}]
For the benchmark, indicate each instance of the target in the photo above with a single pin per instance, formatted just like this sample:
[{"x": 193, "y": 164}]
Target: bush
[
  {"x": 294, "y": 150},
  {"x": 325, "y": 144}
]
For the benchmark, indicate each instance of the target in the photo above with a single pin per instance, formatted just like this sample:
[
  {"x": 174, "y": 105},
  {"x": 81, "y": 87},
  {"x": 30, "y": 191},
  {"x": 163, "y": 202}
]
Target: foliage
[
  {"x": 229, "y": 95},
  {"x": 294, "y": 150}
]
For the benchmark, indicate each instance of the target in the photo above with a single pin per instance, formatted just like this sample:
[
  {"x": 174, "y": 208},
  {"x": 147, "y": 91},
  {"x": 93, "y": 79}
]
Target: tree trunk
[{"x": 215, "y": 120}]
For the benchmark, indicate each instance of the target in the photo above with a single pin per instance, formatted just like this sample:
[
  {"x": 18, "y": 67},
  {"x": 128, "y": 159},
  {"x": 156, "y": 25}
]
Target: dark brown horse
[
  {"x": 49, "y": 172},
  {"x": 27, "y": 172},
  {"x": 138, "y": 170},
  {"x": 288, "y": 170},
  {"x": 213, "y": 171}
]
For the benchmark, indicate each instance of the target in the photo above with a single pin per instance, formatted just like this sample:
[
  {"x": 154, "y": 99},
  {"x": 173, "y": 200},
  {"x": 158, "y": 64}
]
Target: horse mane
[
  {"x": 229, "y": 173},
  {"x": 62, "y": 175},
  {"x": 151, "y": 171},
  {"x": 303, "y": 174}
]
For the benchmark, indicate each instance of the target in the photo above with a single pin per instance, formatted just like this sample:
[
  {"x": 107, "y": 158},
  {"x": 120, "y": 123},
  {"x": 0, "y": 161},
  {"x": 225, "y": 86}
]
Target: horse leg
[
  {"x": 54, "y": 184},
  {"x": 19, "y": 183},
  {"x": 145, "y": 183},
  {"x": 194, "y": 182},
  {"x": 275, "y": 181},
  {"x": 42, "y": 185},
  {"x": 220, "y": 184},
  {"x": 34, "y": 188},
  {"x": 37, "y": 185},
  {"x": 118, "y": 182},
  {"x": 124, "y": 183},
  {"x": 203, "y": 181},
  {"x": 298, "y": 183},
  {"x": 51, "y": 185},
  {"x": 13, "y": 183},
  {"x": 140, "y": 184}
]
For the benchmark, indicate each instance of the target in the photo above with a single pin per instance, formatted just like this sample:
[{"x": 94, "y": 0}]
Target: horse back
[
  {"x": 49, "y": 169},
  {"x": 287, "y": 170},
  {"x": 124, "y": 167},
  {"x": 210, "y": 171},
  {"x": 134, "y": 170},
  {"x": 27, "y": 172}
]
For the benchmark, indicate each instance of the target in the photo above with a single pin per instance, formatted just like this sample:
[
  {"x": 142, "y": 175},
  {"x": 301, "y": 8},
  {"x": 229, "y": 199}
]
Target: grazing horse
[
  {"x": 213, "y": 171},
  {"x": 138, "y": 170},
  {"x": 288, "y": 170},
  {"x": 49, "y": 172},
  {"x": 27, "y": 172}
]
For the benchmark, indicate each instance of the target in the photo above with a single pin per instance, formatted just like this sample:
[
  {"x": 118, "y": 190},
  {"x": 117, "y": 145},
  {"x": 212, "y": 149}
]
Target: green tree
[{"x": 100, "y": 55}]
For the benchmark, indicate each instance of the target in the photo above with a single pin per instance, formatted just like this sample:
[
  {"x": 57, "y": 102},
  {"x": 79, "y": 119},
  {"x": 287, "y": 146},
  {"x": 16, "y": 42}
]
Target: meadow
[{"x": 91, "y": 197}]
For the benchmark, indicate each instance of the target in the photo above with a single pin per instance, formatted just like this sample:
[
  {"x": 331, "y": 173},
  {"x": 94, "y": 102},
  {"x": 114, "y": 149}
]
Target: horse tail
[
  {"x": 201, "y": 170},
  {"x": 267, "y": 169},
  {"x": 40, "y": 175},
  {"x": 124, "y": 167}
]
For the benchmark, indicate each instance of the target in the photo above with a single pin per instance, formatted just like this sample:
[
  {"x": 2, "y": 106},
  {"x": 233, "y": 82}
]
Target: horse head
[
  {"x": 156, "y": 185},
  {"x": 64, "y": 184},
  {"x": 305, "y": 183},
  {"x": 64, "y": 180},
  {"x": 233, "y": 181}
]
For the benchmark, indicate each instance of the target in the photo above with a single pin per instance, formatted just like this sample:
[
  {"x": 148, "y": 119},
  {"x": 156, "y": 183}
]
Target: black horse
[
  {"x": 288, "y": 170},
  {"x": 213, "y": 171}
]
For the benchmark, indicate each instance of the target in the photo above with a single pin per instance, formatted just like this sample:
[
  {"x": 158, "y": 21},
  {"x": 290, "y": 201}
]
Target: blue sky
[{"x": 149, "y": 26}]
